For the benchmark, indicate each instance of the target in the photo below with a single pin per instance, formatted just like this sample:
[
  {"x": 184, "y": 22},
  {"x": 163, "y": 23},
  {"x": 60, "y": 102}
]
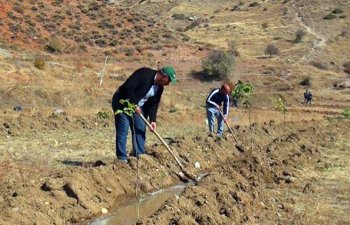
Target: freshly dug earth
[{"x": 238, "y": 189}]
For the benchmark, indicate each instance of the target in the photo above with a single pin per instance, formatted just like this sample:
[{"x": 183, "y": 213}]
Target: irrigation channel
[{"x": 142, "y": 207}]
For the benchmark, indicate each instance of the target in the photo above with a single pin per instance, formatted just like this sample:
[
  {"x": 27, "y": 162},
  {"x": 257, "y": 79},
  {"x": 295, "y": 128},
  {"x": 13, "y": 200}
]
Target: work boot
[{"x": 210, "y": 135}]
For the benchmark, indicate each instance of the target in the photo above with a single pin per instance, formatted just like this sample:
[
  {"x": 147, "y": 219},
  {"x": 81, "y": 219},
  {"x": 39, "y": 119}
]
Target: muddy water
[{"x": 142, "y": 208}]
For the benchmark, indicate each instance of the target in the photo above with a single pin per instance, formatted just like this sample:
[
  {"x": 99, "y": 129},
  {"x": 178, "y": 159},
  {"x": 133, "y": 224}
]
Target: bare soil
[{"x": 67, "y": 176}]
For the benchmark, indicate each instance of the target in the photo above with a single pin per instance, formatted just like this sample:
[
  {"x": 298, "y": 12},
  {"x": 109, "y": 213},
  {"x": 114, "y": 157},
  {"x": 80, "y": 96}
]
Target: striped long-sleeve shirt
[{"x": 216, "y": 98}]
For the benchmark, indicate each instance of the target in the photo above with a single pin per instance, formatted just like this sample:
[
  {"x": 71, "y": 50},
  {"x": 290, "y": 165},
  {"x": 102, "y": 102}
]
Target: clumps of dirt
[{"x": 17, "y": 123}]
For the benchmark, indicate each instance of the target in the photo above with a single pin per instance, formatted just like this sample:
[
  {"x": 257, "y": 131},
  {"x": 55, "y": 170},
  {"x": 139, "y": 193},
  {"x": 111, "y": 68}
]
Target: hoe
[
  {"x": 185, "y": 175},
  {"x": 235, "y": 141}
]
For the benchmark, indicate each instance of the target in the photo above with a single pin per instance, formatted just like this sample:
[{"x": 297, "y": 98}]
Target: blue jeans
[
  {"x": 213, "y": 113},
  {"x": 138, "y": 131}
]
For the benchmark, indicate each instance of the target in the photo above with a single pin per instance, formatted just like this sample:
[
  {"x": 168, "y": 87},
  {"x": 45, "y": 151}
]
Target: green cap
[{"x": 170, "y": 72}]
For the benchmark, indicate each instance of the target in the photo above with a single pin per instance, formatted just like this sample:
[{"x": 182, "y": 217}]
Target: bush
[
  {"x": 271, "y": 50},
  {"x": 299, "y": 35},
  {"x": 218, "y": 65},
  {"x": 103, "y": 115},
  {"x": 54, "y": 45},
  {"x": 306, "y": 82},
  {"x": 330, "y": 17},
  {"x": 39, "y": 63},
  {"x": 232, "y": 48}
]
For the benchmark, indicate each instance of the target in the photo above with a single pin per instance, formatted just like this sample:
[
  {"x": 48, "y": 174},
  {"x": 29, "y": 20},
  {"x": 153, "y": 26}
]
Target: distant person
[
  {"x": 309, "y": 98},
  {"x": 143, "y": 88},
  {"x": 214, "y": 102},
  {"x": 306, "y": 93}
]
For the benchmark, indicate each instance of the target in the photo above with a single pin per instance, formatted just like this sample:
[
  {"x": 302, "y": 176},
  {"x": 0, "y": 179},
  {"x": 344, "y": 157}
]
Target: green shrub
[
  {"x": 346, "y": 113},
  {"x": 103, "y": 115},
  {"x": 218, "y": 65}
]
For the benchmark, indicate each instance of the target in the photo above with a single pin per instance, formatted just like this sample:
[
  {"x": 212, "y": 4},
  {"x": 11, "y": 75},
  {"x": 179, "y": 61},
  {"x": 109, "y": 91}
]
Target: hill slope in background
[{"x": 81, "y": 27}]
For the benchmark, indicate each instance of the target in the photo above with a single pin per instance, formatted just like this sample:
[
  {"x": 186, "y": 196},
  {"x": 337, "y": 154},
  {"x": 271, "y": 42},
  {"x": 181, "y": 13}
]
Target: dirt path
[{"x": 320, "y": 40}]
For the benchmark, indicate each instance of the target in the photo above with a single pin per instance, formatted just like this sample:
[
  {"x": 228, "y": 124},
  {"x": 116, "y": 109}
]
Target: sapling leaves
[{"x": 129, "y": 108}]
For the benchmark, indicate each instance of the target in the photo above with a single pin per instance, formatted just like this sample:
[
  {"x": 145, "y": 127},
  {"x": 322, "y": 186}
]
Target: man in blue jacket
[
  {"x": 216, "y": 98},
  {"x": 143, "y": 88}
]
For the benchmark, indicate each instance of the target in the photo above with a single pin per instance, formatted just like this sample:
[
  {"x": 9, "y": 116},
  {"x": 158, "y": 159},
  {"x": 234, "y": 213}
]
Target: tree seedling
[{"x": 281, "y": 106}]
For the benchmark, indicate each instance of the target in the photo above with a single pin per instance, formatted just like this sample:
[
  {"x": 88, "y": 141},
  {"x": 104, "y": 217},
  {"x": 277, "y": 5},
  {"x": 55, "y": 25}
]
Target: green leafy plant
[
  {"x": 129, "y": 108},
  {"x": 346, "y": 113},
  {"x": 103, "y": 115},
  {"x": 281, "y": 106},
  {"x": 243, "y": 92}
]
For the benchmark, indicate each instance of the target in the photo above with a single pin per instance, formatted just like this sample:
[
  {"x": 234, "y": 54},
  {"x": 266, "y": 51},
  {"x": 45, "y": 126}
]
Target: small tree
[
  {"x": 129, "y": 110},
  {"x": 218, "y": 65},
  {"x": 243, "y": 92},
  {"x": 281, "y": 106},
  {"x": 271, "y": 50},
  {"x": 299, "y": 35}
]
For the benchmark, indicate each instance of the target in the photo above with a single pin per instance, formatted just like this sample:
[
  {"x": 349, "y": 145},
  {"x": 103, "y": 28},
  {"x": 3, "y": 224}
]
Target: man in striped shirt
[{"x": 214, "y": 102}]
